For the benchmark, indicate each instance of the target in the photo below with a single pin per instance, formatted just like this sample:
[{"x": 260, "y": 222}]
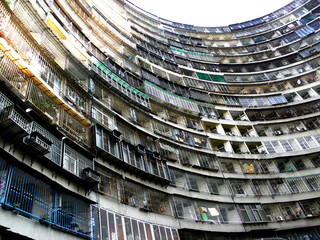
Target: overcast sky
[{"x": 213, "y": 13}]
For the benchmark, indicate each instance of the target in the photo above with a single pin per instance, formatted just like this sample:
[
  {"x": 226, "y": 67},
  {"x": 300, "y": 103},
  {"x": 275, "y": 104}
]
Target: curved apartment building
[{"x": 116, "y": 124}]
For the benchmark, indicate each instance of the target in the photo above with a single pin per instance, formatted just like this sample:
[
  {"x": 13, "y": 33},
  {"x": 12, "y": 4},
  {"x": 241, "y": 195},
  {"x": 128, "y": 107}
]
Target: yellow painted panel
[{"x": 55, "y": 29}]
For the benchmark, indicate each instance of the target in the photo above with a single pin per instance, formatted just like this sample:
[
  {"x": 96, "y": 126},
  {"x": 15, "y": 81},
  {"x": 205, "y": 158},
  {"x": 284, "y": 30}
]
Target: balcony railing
[
  {"x": 58, "y": 115},
  {"x": 34, "y": 62},
  {"x": 136, "y": 159},
  {"x": 121, "y": 85},
  {"x": 12, "y": 75},
  {"x": 33, "y": 198}
]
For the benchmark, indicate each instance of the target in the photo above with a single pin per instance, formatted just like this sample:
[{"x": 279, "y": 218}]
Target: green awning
[
  {"x": 145, "y": 96},
  {"x": 217, "y": 78},
  {"x": 185, "y": 51},
  {"x": 308, "y": 18},
  {"x": 203, "y": 76},
  {"x": 135, "y": 91},
  {"x": 98, "y": 64},
  {"x": 259, "y": 39},
  {"x": 124, "y": 84},
  {"x": 115, "y": 77}
]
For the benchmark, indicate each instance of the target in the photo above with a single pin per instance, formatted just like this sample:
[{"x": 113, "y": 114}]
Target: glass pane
[
  {"x": 163, "y": 233},
  {"x": 141, "y": 229},
  {"x": 96, "y": 223},
  {"x": 156, "y": 232},
  {"x": 112, "y": 229},
  {"x": 135, "y": 229},
  {"x": 148, "y": 230},
  {"x": 128, "y": 228},
  {"x": 104, "y": 225},
  {"x": 119, "y": 227},
  {"x": 168, "y": 234}
]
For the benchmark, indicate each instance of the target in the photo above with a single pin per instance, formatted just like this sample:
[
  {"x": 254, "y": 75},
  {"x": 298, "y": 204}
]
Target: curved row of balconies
[{"x": 226, "y": 152}]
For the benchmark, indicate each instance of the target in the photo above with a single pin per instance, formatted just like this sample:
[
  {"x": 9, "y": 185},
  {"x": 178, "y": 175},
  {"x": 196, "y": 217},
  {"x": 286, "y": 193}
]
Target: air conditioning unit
[
  {"x": 116, "y": 134},
  {"x": 270, "y": 219},
  {"x": 156, "y": 155},
  {"x": 141, "y": 149},
  {"x": 91, "y": 176},
  {"x": 279, "y": 218}
]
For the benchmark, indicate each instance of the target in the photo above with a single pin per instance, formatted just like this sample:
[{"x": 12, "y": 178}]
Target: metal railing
[
  {"x": 121, "y": 85},
  {"x": 35, "y": 199},
  {"x": 10, "y": 73},
  {"x": 58, "y": 115}
]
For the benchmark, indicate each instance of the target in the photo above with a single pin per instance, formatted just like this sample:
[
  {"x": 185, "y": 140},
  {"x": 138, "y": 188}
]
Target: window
[
  {"x": 274, "y": 186},
  {"x": 184, "y": 209},
  {"x": 277, "y": 146},
  {"x": 252, "y": 213},
  {"x": 303, "y": 143},
  {"x": 75, "y": 162},
  {"x": 256, "y": 187},
  {"x": 192, "y": 183},
  {"x": 217, "y": 186},
  {"x": 277, "y": 100},
  {"x": 286, "y": 145},
  {"x": 269, "y": 147},
  {"x": 75, "y": 98},
  {"x": 207, "y": 162},
  {"x": 168, "y": 152},
  {"x": 128, "y": 154},
  {"x": 106, "y": 141},
  {"x": 293, "y": 186},
  {"x": 312, "y": 183},
  {"x": 103, "y": 118},
  {"x": 178, "y": 178}
]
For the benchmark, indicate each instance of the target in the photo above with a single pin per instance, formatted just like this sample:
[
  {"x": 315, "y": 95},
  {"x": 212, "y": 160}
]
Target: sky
[{"x": 210, "y": 13}]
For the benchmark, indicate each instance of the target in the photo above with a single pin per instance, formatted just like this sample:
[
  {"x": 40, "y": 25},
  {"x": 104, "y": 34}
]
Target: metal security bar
[
  {"x": 11, "y": 74},
  {"x": 58, "y": 115},
  {"x": 120, "y": 84},
  {"x": 28, "y": 194},
  {"x": 111, "y": 225},
  {"x": 71, "y": 213},
  {"x": 33, "y": 198}
]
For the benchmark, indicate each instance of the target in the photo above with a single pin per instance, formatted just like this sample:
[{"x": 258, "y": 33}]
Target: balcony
[
  {"x": 27, "y": 56},
  {"x": 135, "y": 159},
  {"x": 120, "y": 85},
  {"x": 33, "y": 198},
  {"x": 12, "y": 75},
  {"x": 58, "y": 115}
]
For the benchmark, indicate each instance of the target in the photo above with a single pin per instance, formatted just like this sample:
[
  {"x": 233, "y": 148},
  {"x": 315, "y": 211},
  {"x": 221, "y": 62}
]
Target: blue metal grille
[
  {"x": 29, "y": 194},
  {"x": 72, "y": 213},
  {"x": 34, "y": 198}
]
